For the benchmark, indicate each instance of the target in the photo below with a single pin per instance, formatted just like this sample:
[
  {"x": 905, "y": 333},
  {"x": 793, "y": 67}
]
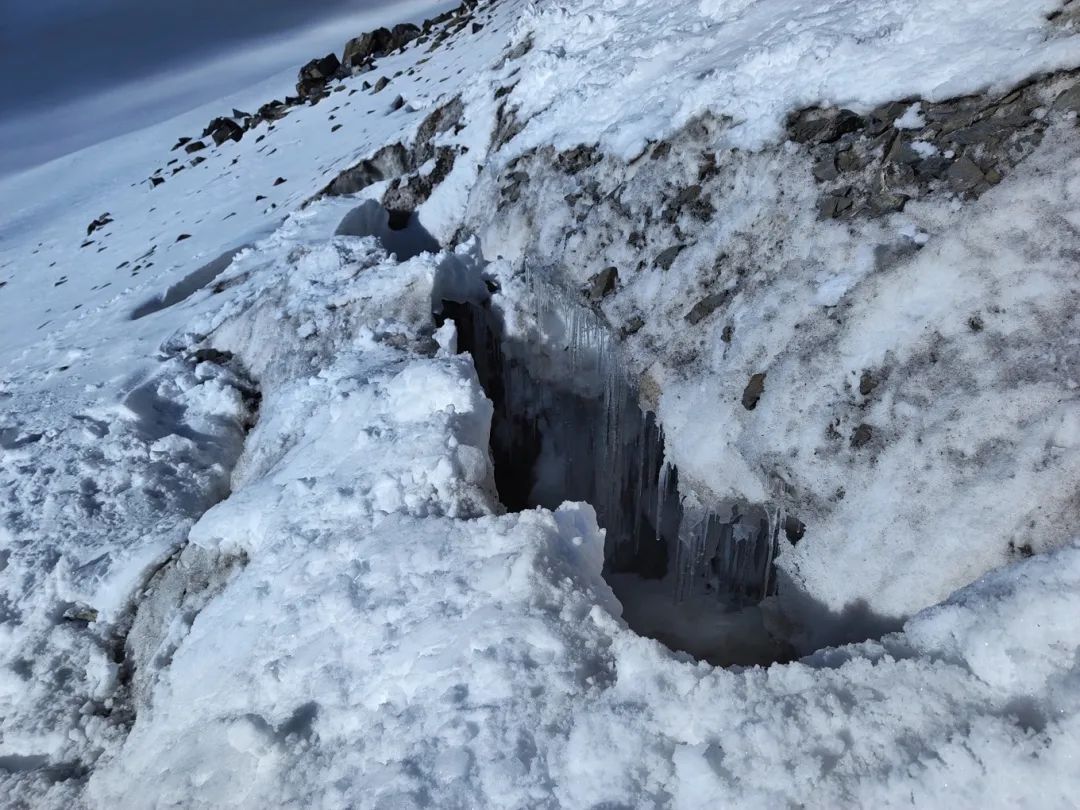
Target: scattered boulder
[
  {"x": 397, "y": 103},
  {"x": 311, "y": 82},
  {"x": 223, "y": 129},
  {"x": 823, "y": 126},
  {"x": 279, "y": 181},
  {"x": 380, "y": 85},
  {"x": 668, "y": 256},
  {"x": 753, "y": 391},
  {"x": 98, "y": 223},
  {"x": 867, "y": 383},
  {"x": 180, "y": 142},
  {"x": 362, "y": 49},
  {"x": 965, "y": 175},
  {"x": 603, "y": 283},
  {"x": 862, "y": 436},
  {"x": 194, "y": 146},
  {"x": 705, "y": 307}
]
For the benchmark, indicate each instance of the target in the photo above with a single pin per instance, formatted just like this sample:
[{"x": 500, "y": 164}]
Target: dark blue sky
[{"x": 62, "y": 62}]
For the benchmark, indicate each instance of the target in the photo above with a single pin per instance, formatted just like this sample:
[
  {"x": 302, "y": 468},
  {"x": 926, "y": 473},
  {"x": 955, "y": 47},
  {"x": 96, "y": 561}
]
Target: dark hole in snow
[
  {"x": 568, "y": 426},
  {"x": 400, "y": 232}
]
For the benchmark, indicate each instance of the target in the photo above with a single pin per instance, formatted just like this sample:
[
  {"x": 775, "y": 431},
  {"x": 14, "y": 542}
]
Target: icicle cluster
[{"x": 568, "y": 426}]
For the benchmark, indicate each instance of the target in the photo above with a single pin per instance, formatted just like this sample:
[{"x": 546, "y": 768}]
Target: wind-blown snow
[{"x": 277, "y": 477}]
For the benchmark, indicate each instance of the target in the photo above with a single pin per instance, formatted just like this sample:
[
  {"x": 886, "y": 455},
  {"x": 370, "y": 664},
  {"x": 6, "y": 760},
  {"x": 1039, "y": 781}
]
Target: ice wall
[{"x": 568, "y": 426}]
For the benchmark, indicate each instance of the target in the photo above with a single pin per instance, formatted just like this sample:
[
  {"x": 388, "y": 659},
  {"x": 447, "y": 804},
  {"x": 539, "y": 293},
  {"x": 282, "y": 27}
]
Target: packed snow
[{"x": 252, "y": 551}]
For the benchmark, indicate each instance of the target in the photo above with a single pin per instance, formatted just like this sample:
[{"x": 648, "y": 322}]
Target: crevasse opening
[{"x": 568, "y": 426}]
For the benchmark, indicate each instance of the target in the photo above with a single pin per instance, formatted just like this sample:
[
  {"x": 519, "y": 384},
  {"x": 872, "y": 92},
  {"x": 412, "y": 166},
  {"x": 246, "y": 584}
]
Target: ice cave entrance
[{"x": 568, "y": 426}]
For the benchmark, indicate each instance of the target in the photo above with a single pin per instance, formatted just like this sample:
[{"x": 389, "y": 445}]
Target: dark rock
[
  {"x": 976, "y": 323},
  {"x": 379, "y": 42},
  {"x": 833, "y": 206},
  {"x": 728, "y": 334},
  {"x": 577, "y": 159},
  {"x": 477, "y": 28},
  {"x": 279, "y": 181},
  {"x": 823, "y": 126},
  {"x": 881, "y": 118},
  {"x": 439, "y": 121},
  {"x": 183, "y": 236},
  {"x": 380, "y": 85},
  {"x": 849, "y": 160},
  {"x": 397, "y": 104},
  {"x": 1068, "y": 100},
  {"x": 660, "y": 151},
  {"x": 197, "y": 160},
  {"x": 668, "y": 256},
  {"x": 965, "y": 175},
  {"x": 311, "y": 82},
  {"x": 335, "y": 127},
  {"x": 900, "y": 151},
  {"x": 705, "y": 307},
  {"x": 867, "y": 383},
  {"x": 194, "y": 146},
  {"x": 98, "y": 223},
  {"x": 240, "y": 115},
  {"x": 825, "y": 170},
  {"x": 180, "y": 143},
  {"x": 634, "y": 325},
  {"x": 390, "y": 161},
  {"x": 156, "y": 181},
  {"x": 753, "y": 391},
  {"x": 887, "y": 202},
  {"x": 603, "y": 283},
  {"x": 794, "y": 529},
  {"x": 933, "y": 167},
  {"x": 862, "y": 436},
  {"x": 260, "y": 197},
  {"x": 223, "y": 129}
]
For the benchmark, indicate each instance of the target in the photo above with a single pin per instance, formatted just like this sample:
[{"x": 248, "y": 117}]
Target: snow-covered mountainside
[{"x": 580, "y": 404}]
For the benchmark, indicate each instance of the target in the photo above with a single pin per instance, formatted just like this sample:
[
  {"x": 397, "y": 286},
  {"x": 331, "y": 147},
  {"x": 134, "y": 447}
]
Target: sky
[{"x": 77, "y": 72}]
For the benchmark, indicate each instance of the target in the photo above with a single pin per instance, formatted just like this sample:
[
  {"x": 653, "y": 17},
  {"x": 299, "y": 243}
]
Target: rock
[
  {"x": 577, "y": 159},
  {"x": 603, "y": 283},
  {"x": 976, "y": 323},
  {"x": 477, "y": 28},
  {"x": 312, "y": 79},
  {"x": 932, "y": 168},
  {"x": 849, "y": 161},
  {"x": 833, "y": 206},
  {"x": 705, "y": 307},
  {"x": 183, "y": 236},
  {"x": 156, "y": 181},
  {"x": 279, "y": 181},
  {"x": 825, "y": 170},
  {"x": 397, "y": 104},
  {"x": 98, "y": 223},
  {"x": 823, "y": 126},
  {"x": 753, "y": 391},
  {"x": 900, "y": 151},
  {"x": 965, "y": 175},
  {"x": 668, "y": 256},
  {"x": 194, "y": 146},
  {"x": 728, "y": 334},
  {"x": 223, "y": 129},
  {"x": 379, "y": 42},
  {"x": 862, "y": 436},
  {"x": 380, "y": 85},
  {"x": 867, "y": 383},
  {"x": 240, "y": 115},
  {"x": 887, "y": 202},
  {"x": 180, "y": 142},
  {"x": 634, "y": 325},
  {"x": 197, "y": 160},
  {"x": 881, "y": 118},
  {"x": 1068, "y": 100}
]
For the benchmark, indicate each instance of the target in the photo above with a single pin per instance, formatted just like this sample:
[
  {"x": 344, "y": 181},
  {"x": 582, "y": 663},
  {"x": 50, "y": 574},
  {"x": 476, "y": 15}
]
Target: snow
[{"x": 276, "y": 480}]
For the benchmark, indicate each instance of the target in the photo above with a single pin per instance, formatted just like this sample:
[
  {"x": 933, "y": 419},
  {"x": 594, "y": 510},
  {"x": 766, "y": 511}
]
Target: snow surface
[{"x": 372, "y": 631}]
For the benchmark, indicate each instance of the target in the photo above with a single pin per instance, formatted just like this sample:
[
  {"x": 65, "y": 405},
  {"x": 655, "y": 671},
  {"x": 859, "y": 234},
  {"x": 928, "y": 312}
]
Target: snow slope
[{"x": 251, "y": 551}]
